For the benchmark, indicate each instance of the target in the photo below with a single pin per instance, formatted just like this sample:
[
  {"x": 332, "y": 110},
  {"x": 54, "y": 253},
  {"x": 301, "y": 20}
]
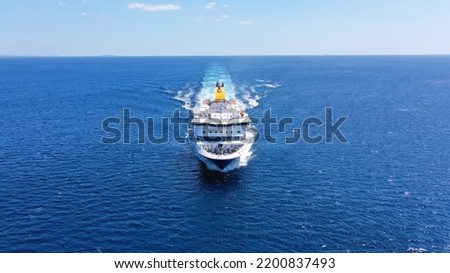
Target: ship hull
[
  {"x": 219, "y": 164},
  {"x": 224, "y": 164}
]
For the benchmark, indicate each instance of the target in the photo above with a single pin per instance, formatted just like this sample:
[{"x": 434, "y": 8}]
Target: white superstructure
[{"x": 222, "y": 131}]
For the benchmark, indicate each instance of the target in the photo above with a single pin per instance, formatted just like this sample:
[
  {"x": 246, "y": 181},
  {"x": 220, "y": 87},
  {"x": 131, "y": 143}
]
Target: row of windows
[
  {"x": 221, "y": 132},
  {"x": 221, "y": 125},
  {"x": 218, "y": 139}
]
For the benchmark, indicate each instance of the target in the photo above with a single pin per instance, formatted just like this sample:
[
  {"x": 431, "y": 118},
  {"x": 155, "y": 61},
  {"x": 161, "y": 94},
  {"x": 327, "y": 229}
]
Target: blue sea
[{"x": 387, "y": 189}]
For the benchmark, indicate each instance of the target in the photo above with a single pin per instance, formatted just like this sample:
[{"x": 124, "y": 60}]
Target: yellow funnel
[{"x": 220, "y": 93}]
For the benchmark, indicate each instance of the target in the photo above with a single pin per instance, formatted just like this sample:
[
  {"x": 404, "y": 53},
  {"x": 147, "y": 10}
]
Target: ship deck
[{"x": 220, "y": 113}]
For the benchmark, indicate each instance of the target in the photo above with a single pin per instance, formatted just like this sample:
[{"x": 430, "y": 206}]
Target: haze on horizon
[{"x": 231, "y": 27}]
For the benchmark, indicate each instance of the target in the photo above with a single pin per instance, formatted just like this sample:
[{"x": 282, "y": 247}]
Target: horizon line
[{"x": 218, "y": 55}]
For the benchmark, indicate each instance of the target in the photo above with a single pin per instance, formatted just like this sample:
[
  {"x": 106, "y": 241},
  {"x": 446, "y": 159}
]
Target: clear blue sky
[{"x": 229, "y": 27}]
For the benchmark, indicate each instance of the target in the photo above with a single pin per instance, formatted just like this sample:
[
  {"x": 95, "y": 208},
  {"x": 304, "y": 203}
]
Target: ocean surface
[{"x": 386, "y": 190}]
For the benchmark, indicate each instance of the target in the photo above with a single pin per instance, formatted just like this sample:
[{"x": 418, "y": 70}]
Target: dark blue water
[{"x": 387, "y": 190}]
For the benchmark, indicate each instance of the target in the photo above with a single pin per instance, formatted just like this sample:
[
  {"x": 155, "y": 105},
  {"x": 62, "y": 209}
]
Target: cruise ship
[{"x": 222, "y": 132}]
